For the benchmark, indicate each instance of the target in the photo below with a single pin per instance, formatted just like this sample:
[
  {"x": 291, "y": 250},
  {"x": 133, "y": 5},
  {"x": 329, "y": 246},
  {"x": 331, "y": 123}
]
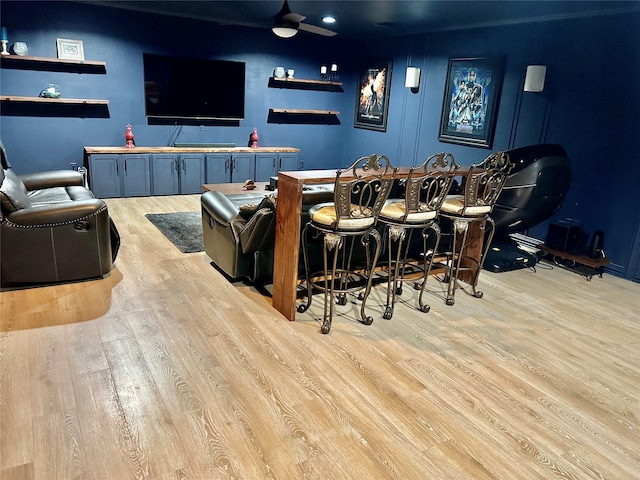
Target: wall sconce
[
  {"x": 534, "y": 79},
  {"x": 412, "y": 78}
]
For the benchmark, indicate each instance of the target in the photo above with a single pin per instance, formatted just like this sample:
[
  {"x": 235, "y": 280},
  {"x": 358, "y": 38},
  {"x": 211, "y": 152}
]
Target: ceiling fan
[{"x": 286, "y": 24}]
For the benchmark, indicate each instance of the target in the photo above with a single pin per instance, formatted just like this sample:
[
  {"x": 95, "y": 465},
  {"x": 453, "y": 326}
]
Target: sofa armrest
[
  {"x": 53, "y": 178},
  {"x": 56, "y": 214},
  {"x": 221, "y": 209}
]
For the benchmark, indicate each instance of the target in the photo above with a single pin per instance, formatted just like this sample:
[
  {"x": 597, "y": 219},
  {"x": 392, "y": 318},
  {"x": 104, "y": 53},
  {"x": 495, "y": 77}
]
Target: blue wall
[{"x": 592, "y": 66}]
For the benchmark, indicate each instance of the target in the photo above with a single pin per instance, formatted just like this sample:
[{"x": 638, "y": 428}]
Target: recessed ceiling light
[{"x": 329, "y": 19}]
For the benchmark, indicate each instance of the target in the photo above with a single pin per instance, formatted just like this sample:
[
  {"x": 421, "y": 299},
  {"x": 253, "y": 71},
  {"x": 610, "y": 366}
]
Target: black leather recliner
[
  {"x": 239, "y": 230},
  {"x": 52, "y": 229}
]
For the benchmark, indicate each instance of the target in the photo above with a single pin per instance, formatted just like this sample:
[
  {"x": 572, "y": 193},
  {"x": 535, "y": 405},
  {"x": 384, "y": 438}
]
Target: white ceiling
[{"x": 364, "y": 18}]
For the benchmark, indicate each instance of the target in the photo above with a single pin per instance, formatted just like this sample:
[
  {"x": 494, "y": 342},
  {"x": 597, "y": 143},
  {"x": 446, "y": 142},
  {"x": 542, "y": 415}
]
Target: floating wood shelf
[
  {"x": 52, "y": 64},
  {"x": 302, "y": 80},
  {"x": 61, "y": 61},
  {"x": 304, "y": 84},
  {"x": 303, "y": 116},
  {"x": 58, "y": 101},
  {"x": 298, "y": 111}
]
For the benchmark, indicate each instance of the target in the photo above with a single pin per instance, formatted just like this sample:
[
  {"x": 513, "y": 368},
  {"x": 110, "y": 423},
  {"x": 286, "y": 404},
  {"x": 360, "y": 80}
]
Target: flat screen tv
[{"x": 197, "y": 89}]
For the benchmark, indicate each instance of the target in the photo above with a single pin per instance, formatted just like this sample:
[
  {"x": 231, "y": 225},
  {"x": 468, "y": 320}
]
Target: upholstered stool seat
[
  {"x": 455, "y": 205},
  {"x": 325, "y": 215},
  {"x": 397, "y": 210}
]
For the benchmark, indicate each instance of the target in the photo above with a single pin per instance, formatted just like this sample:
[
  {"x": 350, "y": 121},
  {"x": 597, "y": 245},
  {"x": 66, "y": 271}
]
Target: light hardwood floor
[{"x": 166, "y": 370}]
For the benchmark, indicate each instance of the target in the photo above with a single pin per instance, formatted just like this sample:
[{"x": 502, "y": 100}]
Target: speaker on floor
[
  {"x": 596, "y": 245},
  {"x": 563, "y": 236}
]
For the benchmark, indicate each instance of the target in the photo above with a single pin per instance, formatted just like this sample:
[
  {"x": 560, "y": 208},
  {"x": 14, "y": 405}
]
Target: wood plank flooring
[{"x": 165, "y": 370}]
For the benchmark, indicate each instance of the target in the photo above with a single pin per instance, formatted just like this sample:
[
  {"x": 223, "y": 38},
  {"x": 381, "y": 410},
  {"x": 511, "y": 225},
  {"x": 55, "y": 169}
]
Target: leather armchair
[
  {"x": 239, "y": 230},
  {"x": 52, "y": 229}
]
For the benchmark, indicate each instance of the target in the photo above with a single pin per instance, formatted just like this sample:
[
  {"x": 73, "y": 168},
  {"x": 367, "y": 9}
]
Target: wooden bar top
[
  {"x": 310, "y": 177},
  {"x": 138, "y": 149}
]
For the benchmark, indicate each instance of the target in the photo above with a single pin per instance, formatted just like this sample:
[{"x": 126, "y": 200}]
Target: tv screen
[{"x": 189, "y": 88}]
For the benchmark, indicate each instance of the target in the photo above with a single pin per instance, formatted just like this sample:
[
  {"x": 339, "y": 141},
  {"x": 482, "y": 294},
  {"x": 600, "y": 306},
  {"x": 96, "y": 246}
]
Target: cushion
[
  {"x": 248, "y": 209},
  {"x": 394, "y": 210},
  {"x": 454, "y": 204},
  {"x": 13, "y": 193}
]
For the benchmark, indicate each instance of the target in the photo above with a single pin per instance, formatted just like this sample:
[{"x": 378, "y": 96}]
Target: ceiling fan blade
[
  {"x": 317, "y": 30},
  {"x": 294, "y": 17}
]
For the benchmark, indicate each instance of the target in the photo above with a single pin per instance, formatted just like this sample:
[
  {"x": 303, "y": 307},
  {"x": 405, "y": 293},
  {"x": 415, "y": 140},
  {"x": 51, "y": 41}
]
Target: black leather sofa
[
  {"x": 52, "y": 229},
  {"x": 239, "y": 230}
]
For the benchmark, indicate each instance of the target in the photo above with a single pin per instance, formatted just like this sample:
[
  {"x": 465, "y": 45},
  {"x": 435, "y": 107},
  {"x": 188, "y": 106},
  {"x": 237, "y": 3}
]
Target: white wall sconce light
[
  {"x": 412, "y": 78},
  {"x": 534, "y": 78}
]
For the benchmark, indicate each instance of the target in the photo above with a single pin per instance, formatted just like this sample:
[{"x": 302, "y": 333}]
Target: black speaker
[
  {"x": 564, "y": 237},
  {"x": 596, "y": 245}
]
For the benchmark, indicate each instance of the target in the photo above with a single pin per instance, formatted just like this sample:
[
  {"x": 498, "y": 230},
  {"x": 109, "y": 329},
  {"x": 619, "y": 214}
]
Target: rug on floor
[{"x": 184, "y": 229}]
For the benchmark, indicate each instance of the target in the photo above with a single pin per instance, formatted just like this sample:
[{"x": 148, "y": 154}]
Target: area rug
[{"x": 184, "y": 229}]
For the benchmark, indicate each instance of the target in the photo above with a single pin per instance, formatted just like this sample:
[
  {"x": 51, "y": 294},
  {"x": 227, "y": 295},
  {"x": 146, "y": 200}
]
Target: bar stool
[
  {"x": 359, "y": 193},
  {"x": 482, "y": 186},
  {"x": 426, "y": 188}
]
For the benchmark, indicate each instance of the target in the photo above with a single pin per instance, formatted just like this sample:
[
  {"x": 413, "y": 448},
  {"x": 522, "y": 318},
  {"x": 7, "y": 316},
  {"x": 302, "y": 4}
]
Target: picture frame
[
  {"x": 470, "y": 103},
  {"x": 372, "y": 97},
  {"x": 70, "y": 49}
]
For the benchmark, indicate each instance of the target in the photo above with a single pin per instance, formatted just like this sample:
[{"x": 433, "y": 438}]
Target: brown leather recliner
[{"x": 52, "y": 229}]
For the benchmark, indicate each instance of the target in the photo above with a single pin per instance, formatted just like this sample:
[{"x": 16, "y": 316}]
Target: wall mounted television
[{"x": 193, "y": 89}]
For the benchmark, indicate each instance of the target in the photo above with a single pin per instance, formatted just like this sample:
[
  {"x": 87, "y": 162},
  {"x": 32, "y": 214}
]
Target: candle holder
[
  {"x": 323, "y": 73},
  {"x": 334, "y": 73},
  {"x": 4, "y": 47}
]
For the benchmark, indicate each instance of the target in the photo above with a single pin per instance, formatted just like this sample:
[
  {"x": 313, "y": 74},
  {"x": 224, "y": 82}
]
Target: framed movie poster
[
  {"x": 372, "y": 102},
  {"x": 470, "y": 101}
]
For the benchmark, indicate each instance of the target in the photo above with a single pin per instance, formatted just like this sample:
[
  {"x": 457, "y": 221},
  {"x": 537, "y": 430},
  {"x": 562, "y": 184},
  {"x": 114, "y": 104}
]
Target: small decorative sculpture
[
  {"x": 253, "y": 138},
  {"x": 129, "y": 137},
  {"x": 50, "y": 91}
]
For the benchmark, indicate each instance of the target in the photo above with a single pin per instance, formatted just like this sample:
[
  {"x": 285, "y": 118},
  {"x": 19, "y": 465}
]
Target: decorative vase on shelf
[
  {"x": 253, "y": 138},
  {"x": 20, "y": 48},
  {"x": 129, "y": 137}
]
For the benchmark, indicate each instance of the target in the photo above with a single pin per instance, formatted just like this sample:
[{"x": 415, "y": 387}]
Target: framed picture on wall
[
  {"x": 470, "y": 101},
  {"x": 70, "y": 49},
  {"x": 372, "y": 97}
]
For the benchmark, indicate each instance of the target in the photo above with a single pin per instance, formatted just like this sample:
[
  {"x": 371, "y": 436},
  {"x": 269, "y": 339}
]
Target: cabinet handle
[
  {"x": 117, "y": 168},
  {"x": 274, "y": 163},
  {"x": 176, "y": 166},
  {"x": 184, "y": 167},
  {"x": 125, "y": 166}
]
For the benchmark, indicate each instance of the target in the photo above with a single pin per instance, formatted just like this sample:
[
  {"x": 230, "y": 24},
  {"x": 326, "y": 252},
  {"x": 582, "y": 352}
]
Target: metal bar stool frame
[
  {"x": 425, "y": 189},
  {"x": 359, "y": 194},
  {"x": 482, "y": 187}
]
